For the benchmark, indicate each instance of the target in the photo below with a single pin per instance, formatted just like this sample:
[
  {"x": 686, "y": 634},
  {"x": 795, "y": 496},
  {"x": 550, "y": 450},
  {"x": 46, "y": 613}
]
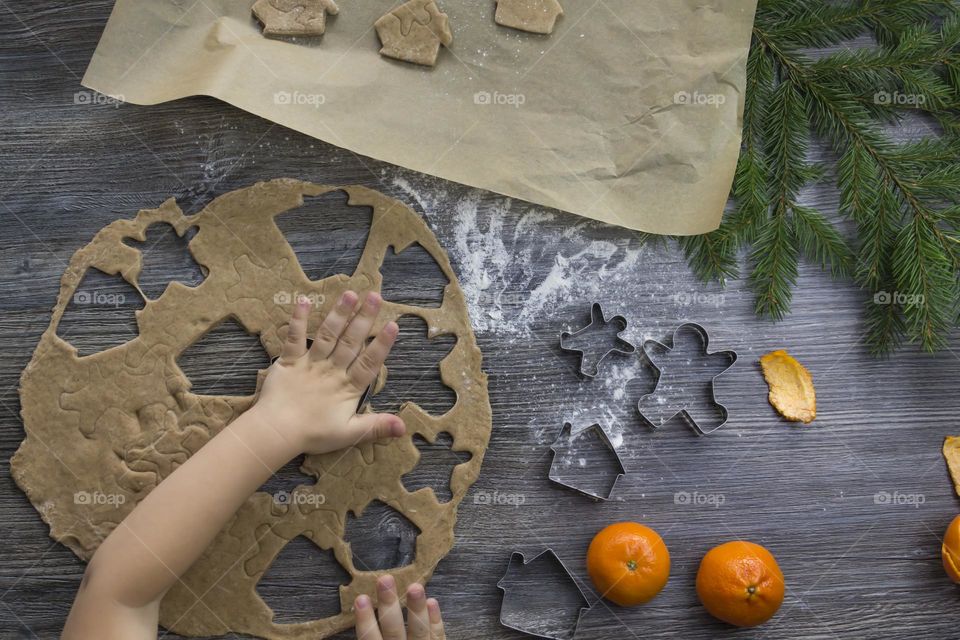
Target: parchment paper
[{"x": 628, "y": 113}]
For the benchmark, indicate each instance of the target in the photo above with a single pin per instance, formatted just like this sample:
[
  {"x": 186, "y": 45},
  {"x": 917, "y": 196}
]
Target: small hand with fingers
[
  {"x": 423, "y": 614},
  {"x": 310, "y": 395}
]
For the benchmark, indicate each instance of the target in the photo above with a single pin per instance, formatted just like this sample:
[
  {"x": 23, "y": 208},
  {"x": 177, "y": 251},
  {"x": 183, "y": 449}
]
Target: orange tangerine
[
  {"x": 628, "y": 563},
  {"x": 740, "y": 583},
  {"x": 950, "y": 551}
]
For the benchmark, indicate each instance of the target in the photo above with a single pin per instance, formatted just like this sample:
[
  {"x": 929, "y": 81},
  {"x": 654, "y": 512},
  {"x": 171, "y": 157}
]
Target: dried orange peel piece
[
  {"x": 951, "y": 453},
  {"x": 791, "y": 386}
]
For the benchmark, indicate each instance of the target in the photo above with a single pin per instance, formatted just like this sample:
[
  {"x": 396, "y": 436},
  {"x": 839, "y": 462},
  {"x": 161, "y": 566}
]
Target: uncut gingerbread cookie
[{"x": 114, "y": 423}]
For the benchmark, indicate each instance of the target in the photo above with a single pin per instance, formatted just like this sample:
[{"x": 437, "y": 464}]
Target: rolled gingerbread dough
[{"x": 116, "y": 422}]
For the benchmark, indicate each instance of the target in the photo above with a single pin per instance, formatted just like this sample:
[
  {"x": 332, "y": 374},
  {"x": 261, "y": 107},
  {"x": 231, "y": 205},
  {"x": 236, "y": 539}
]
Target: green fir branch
[{"x": 904, "y": 199}]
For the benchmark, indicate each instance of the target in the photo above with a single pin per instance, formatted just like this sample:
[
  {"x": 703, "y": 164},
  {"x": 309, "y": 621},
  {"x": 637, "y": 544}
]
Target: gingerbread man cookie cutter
[
  {"x": 569, "y": 341},
  {"x": 704, "y": 337}
]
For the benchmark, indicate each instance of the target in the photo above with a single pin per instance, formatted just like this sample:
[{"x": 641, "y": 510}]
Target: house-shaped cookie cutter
[
  {"x": 566, "y": 436},
  {"x": 512, "y": 609}
]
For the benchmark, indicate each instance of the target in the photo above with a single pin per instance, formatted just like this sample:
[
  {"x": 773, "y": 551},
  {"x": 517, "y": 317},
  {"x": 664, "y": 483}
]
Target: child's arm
[{"x": 307, "y": 404}]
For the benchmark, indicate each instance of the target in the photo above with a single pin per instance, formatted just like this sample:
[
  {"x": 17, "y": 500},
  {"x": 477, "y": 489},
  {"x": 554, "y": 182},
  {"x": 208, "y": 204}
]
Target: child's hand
[
  {"x": 310, "y": 395},
  {"x": 423, "y": 615},
  {"x": 308, "y": 403}
]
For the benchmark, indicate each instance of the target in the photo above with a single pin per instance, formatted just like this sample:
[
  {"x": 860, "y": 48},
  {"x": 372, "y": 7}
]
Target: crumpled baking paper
[{"x": 628, "y": 113}]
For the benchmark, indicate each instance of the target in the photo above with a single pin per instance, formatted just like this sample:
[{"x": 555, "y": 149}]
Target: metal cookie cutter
[
  {"x": 525, "y": 608},
  {"x": 705, "y": 339},
  {"x": 365, "y": 398},
  {"x": 374, "y": 387},
  {"x": 570, "y": 341},
  {"x": 562, "y": 447}
]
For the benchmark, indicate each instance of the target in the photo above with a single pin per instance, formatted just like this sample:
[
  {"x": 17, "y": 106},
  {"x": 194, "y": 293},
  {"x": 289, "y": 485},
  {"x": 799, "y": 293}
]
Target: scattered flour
[
  {"x": 499, "y": 248},
  {"x": 496, "y": 266},
  {"x": 582, "y": 415}
]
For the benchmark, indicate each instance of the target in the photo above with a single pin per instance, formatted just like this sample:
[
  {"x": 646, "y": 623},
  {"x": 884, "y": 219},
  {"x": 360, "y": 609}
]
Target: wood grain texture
[{"x": 857, "y": 563}]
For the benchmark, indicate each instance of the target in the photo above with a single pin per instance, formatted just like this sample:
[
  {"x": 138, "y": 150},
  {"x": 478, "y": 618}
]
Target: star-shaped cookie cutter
[
  {"x": 705, "y": 339},
  {"x": 596, "y": 321}
]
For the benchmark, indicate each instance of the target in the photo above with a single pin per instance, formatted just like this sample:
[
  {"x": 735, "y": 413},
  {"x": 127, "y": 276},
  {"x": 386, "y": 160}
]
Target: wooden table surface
[{"x": 853, "y": 506}]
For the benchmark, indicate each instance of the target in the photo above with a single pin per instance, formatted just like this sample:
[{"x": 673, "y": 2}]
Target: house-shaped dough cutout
[
  {"x": 414, "y": 31},
  {"x": 294, "y": 17},
  {"x": 535, "y": 16}
]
